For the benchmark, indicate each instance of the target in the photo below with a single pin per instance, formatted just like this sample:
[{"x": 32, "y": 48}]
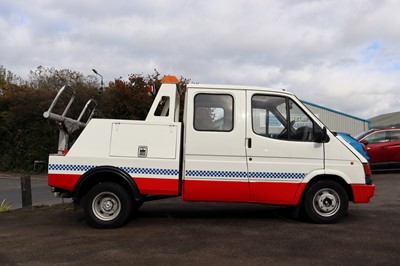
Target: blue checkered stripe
[
  {"x": 130, "y": 170},
  {"x": 70, "y": 167},
  {"x": 235, "y": 174},
  {"x": 151, "y": 171},
  {"x": 220, "y": 174},
  {"x": 272, "y": 175}
]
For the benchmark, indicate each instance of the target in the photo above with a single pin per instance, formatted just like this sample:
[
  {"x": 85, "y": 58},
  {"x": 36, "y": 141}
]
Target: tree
[
  {"x": 50, "y": 78},
  {"x": 25, "y": 136},
  {"x": 130, "y": 99},
  {"x": 7, "y": 78}
]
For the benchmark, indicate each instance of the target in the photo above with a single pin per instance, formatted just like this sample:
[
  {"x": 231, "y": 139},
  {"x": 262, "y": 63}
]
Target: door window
[
  {"x": 280, "y": 118},
  {"x": 377, "y": 137}
]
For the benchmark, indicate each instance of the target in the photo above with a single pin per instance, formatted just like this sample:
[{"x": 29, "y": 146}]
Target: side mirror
[
  {"x": 364, "y": 141},
  {"x": 320, "y": 134}
]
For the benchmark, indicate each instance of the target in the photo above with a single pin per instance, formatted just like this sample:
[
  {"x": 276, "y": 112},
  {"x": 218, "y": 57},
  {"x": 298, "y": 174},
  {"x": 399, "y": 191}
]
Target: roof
[
  {"x": 237, "y": 87},
  {"x": 263, "y": 89},
  {"x": 386, "y": 120}
]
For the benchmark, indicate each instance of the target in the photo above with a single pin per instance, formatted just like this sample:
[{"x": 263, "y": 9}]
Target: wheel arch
[
  {"x": 340, "y": 180},
  {"x": 102, "y": 174}
]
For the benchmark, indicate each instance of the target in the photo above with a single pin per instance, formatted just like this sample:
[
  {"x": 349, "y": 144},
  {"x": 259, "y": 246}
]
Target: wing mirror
[{"x": 320, "y": 134}]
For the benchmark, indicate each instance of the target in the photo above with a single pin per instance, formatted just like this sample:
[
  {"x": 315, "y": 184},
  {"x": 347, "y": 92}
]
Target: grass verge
[{"x": 5, "y": 206}]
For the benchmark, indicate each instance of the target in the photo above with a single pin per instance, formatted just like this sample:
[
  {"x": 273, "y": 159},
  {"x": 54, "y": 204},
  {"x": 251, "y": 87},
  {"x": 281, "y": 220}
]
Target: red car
[{"x": 383, "y": 147}]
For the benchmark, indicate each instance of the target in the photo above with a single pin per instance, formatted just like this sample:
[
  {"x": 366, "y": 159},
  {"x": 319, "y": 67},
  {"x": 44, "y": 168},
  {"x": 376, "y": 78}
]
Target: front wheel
[
  {"x": 108, "y": 205},
  {"x": 325, "y": 202}
]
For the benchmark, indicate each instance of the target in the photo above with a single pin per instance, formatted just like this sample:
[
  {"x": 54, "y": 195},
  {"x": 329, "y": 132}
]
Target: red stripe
[
  {"x": 62, "y": 181},
  {"x": 199, "y": 190},
  {"x": 281, "y": 193},
  {"x": 160, "y": 186},
  {"x": 277, "y": 193}
]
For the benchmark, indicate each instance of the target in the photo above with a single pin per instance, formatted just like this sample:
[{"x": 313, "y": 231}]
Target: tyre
[
  {"x": 108, "y": 205},
  {"x": 325, "y": 201}
]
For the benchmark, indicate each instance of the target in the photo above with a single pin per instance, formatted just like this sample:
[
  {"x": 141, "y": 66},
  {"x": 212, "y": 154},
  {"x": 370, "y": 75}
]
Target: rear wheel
[
  {"x": 326, "y": 201},
  {"x": 108, "y": 205}
]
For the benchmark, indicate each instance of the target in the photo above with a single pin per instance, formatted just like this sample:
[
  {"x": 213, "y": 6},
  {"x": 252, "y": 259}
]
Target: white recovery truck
[{"x": 235, "y": 144}]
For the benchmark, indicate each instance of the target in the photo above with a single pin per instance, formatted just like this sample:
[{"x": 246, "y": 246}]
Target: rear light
[
  {"x": 367, "y": 169},
  {"x": 64, "y": 152},
  {"x": 368, "y": 174}
]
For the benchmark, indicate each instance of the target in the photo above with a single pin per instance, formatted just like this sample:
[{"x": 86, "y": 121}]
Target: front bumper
[{"x": 362, "y": 193}]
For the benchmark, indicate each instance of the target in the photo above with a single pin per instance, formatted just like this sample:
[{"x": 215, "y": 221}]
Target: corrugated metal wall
[{"x": 337, "y": 121}]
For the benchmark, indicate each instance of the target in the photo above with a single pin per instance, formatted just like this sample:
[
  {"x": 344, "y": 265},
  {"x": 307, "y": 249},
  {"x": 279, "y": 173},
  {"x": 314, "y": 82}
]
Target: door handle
[{"x": 249, "y": 143}]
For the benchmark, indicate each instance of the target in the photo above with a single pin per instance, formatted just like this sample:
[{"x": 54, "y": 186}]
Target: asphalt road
[{"x": 171, "y": 232}]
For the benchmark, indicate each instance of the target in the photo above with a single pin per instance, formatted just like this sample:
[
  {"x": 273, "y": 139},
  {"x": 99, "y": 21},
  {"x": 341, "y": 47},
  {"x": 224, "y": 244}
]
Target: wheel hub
[
  {"x": 326, "y": 202},
  {"x": 106, "y": 206}
]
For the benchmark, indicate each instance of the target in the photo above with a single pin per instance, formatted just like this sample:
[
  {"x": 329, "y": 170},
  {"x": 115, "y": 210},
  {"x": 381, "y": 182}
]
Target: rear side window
[
  {"x": 163, "y": 107},
  {"x": 394, "y": 135},
  {"x": 213, "y": 112}
]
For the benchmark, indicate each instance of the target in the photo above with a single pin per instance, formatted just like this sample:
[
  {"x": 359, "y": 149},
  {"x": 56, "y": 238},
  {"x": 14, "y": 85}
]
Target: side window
[
  {"x": 376, "y": 137},
  {"x": 213, "y": 112},
  {"x": 163, "y": 107},
  {"x": 280, "y": 118},
  {"x": 394, "y": 135}
]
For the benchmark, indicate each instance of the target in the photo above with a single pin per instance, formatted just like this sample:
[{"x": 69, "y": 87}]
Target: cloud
[{"x": 340, "y": 54}]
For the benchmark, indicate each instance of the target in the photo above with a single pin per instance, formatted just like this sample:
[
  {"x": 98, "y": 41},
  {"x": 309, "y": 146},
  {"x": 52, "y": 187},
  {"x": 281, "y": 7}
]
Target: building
[
  {"x": 386, "y": 120},
  {"x": 338, "y": 121}
]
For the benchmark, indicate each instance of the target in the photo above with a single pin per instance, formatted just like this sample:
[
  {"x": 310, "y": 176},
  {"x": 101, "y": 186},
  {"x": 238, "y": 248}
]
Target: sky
[{"x": 343, "y": 54}]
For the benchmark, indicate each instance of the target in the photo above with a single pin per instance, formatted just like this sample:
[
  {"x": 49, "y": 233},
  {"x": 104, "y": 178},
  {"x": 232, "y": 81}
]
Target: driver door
[{"x": 280, "y": 149}]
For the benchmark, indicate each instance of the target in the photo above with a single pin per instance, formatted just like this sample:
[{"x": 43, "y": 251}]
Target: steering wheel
[
  {"x": 285, "y": 130},
  {"x": 303, "y": 133}
]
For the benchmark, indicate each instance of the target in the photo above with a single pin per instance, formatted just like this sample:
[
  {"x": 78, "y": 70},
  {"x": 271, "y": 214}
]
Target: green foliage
[
  {"x": 44, "y": 78},
  {"x": 7, "y": 77},
  {"x": 25, "y": 136},
  {"x": 130, "y": 99},
  {"x": 126, "y": 99}
]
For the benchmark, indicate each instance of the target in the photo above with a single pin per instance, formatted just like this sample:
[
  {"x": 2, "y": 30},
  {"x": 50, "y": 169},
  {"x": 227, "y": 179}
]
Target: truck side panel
[
  {"x": 120, "y": 143},
  {"x": 157, "y": 141}
]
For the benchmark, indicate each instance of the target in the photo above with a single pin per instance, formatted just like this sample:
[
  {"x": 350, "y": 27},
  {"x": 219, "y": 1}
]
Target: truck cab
[{"x": 235, "y": 144}]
